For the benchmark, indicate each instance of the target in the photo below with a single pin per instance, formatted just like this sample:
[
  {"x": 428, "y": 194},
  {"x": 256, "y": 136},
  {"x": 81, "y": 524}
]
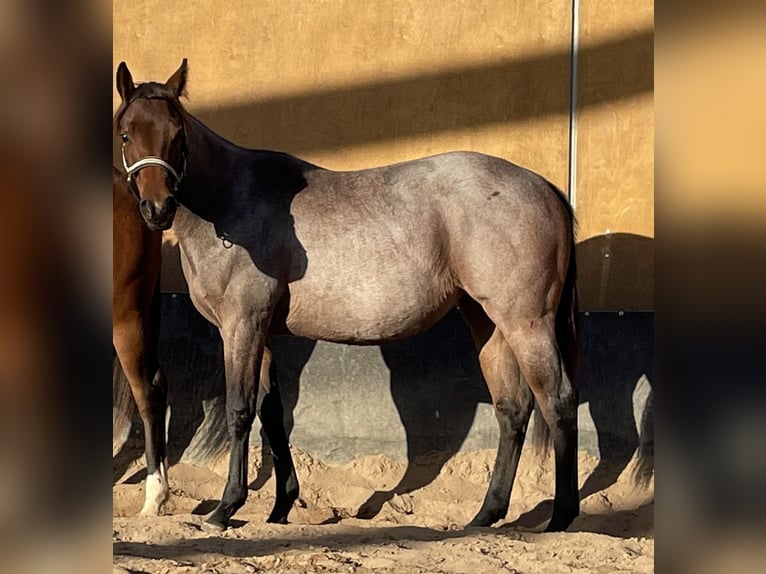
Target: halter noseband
[{"x": 140, "y": 164}]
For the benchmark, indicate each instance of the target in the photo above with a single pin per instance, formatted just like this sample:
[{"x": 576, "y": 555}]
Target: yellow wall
[
  {"x": 349, "y": 84},
  {"x": 615, "y": 155},
  {"x": 354, "y": 83}
]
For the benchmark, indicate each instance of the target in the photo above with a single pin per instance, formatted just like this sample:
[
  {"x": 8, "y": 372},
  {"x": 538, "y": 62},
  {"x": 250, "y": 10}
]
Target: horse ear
[
  {"x": 177, "y": 82},
  {"x": 125, "y": 85}
]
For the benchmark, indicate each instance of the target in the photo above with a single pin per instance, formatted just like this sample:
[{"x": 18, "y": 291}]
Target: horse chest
[
  {"x": 225, "y": 277},
  {"x": 206, "y": 284}
]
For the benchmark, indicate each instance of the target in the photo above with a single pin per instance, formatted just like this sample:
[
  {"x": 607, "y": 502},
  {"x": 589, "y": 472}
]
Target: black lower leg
[
  {"x": 235, "y": 493},
  {"x": 566, "y": 503},
  {"x": 157, "y": 406},
  {"x": 513, "y": 419},
  {"x": 271, "y": 413}
]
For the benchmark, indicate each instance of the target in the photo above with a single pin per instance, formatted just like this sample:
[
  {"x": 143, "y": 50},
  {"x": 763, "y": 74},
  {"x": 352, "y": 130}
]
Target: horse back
[{"x": 389, "y": 250}]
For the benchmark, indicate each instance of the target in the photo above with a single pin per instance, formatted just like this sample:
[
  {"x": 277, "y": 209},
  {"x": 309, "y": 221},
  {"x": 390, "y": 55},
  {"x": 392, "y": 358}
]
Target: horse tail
[
  {"x": 642, "y": 472},
  {"x": 123, "y": 406},
  {"x": 567, "y": 328}
]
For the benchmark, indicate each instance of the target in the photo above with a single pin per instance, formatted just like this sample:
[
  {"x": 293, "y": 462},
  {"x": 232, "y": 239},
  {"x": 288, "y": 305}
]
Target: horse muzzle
[{"x": 158, "y": 218}]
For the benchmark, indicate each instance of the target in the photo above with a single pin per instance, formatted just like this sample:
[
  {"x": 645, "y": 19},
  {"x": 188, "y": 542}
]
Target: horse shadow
[
  {"x": 437, "y": 386},
  {"x": 616, "y": 272}
]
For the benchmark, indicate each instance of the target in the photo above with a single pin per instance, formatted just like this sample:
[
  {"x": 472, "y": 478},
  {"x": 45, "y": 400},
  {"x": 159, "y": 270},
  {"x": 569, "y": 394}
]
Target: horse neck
[
  {"x": 210, "y": 165},
  {"x": 211, "y": 160}
]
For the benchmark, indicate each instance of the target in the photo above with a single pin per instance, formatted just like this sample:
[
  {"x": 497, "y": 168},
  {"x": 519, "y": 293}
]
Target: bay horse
[
  {"x": 271, "y": 245},
  {"x": 135, "y": 329}
]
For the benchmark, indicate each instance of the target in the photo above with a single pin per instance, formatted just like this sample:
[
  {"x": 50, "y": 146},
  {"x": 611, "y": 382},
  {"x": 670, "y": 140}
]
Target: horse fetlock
[
  {"x": 292, "y": 487},
  {"x": 157, "y": 493},
  {"x": 235, "y": 501}
]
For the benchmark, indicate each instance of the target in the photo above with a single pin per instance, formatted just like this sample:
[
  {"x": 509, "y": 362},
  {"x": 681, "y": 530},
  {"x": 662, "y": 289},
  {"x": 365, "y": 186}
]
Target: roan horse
[
  {"x": 135, "y": 329},
  {"x": 271, "y": 244}
]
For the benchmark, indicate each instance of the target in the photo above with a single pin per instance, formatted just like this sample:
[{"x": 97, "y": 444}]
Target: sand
[{"x": 420, "y": 531}]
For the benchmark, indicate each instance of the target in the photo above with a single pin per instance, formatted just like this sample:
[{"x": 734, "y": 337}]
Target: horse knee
[
  {"x": 240, "y": 420},
  {"x": 153, "y": 400}
]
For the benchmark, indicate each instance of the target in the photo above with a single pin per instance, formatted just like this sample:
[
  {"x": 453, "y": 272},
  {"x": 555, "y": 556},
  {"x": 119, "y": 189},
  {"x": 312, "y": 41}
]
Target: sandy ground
[{"x": 421, "y": 531}]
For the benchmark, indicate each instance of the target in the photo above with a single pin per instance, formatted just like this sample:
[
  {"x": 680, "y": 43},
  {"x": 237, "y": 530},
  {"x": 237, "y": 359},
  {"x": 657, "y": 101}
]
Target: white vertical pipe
[{"x": 573, "y": 103}]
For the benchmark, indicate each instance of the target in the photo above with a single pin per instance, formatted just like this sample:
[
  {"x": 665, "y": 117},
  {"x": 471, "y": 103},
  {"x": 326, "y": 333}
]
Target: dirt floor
[{"x": 421, "y": 531}]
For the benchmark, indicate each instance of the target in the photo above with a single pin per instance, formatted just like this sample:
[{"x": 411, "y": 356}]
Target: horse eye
[{"x": 124, "y": 137}]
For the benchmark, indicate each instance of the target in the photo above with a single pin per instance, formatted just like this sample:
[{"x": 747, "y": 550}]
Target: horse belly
[{"x": 369, "y": 310}]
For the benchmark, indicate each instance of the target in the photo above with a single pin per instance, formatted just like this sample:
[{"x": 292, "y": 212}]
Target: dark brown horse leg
[
  {"x": 541, "y": 366},
  {"x": 243, "y": 352},
  {"x": 149, "y": 390},
  {"x": 271, "y": 413},
  {"x": 513, "y": 403}
]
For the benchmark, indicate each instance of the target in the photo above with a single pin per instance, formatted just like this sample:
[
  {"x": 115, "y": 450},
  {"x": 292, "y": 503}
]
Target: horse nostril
[{"x": 146, "y": 208}]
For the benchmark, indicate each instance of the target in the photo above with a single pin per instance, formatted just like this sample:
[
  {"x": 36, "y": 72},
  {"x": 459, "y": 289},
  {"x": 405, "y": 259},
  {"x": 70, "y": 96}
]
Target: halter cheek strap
[{"x": 150, "y": 160}]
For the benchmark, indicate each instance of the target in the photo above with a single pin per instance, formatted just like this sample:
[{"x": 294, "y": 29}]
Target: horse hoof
[
  {"x": 560, "y": 521},
  {"x": 150, "y": 510},
  {"x": 277, "y": 518},
  {"x": 484, "y": 519},
  {"x": 216, "y": 521},
  {"x": 557, "y": 524},
  {"x": 213, "y": 526}
]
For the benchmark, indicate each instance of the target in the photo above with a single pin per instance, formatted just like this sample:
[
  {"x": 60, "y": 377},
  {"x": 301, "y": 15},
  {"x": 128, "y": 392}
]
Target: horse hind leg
[
  {"x": 534, "y": 345},
  {"x": 149, "y": 389},
  {"x": 271, "y": 413},
  {"x": 513, "y": 403}
]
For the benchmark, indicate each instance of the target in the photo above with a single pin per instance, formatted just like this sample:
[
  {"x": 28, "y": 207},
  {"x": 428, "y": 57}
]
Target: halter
[{"x": 140, "y": 164}]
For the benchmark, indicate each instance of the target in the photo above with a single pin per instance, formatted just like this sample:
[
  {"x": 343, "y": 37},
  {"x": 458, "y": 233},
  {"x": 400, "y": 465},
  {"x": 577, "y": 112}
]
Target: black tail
[
  {"x": 566, "y": 330},
  {"x": 123, "y": 406}
]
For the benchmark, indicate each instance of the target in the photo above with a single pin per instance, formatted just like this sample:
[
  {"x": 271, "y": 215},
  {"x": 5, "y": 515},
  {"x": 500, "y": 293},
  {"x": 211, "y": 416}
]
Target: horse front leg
[
  {"x": 149, "y": 389},
  {"x": 243, "y": 345}
]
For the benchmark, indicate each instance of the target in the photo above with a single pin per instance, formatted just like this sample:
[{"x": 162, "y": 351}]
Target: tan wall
[
  {"x": 353, "y": 83},
  {"x": 350, "y": 84},
  {"x": 615, "y": 155}
]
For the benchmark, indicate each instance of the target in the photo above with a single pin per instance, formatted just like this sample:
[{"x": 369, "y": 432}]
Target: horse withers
[
  {"x": 135, "y": 329},
  {"x": 271, "y": 245}
]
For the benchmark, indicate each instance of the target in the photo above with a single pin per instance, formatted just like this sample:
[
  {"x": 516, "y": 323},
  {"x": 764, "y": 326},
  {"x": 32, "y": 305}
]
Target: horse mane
[{"x": 149, "y": 91}]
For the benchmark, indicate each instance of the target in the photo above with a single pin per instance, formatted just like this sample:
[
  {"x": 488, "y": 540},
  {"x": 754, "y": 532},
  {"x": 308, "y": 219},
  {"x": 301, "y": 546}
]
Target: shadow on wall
[
  {"x": 512, "y": 90},
  {"x": 616, "y": 273}
]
